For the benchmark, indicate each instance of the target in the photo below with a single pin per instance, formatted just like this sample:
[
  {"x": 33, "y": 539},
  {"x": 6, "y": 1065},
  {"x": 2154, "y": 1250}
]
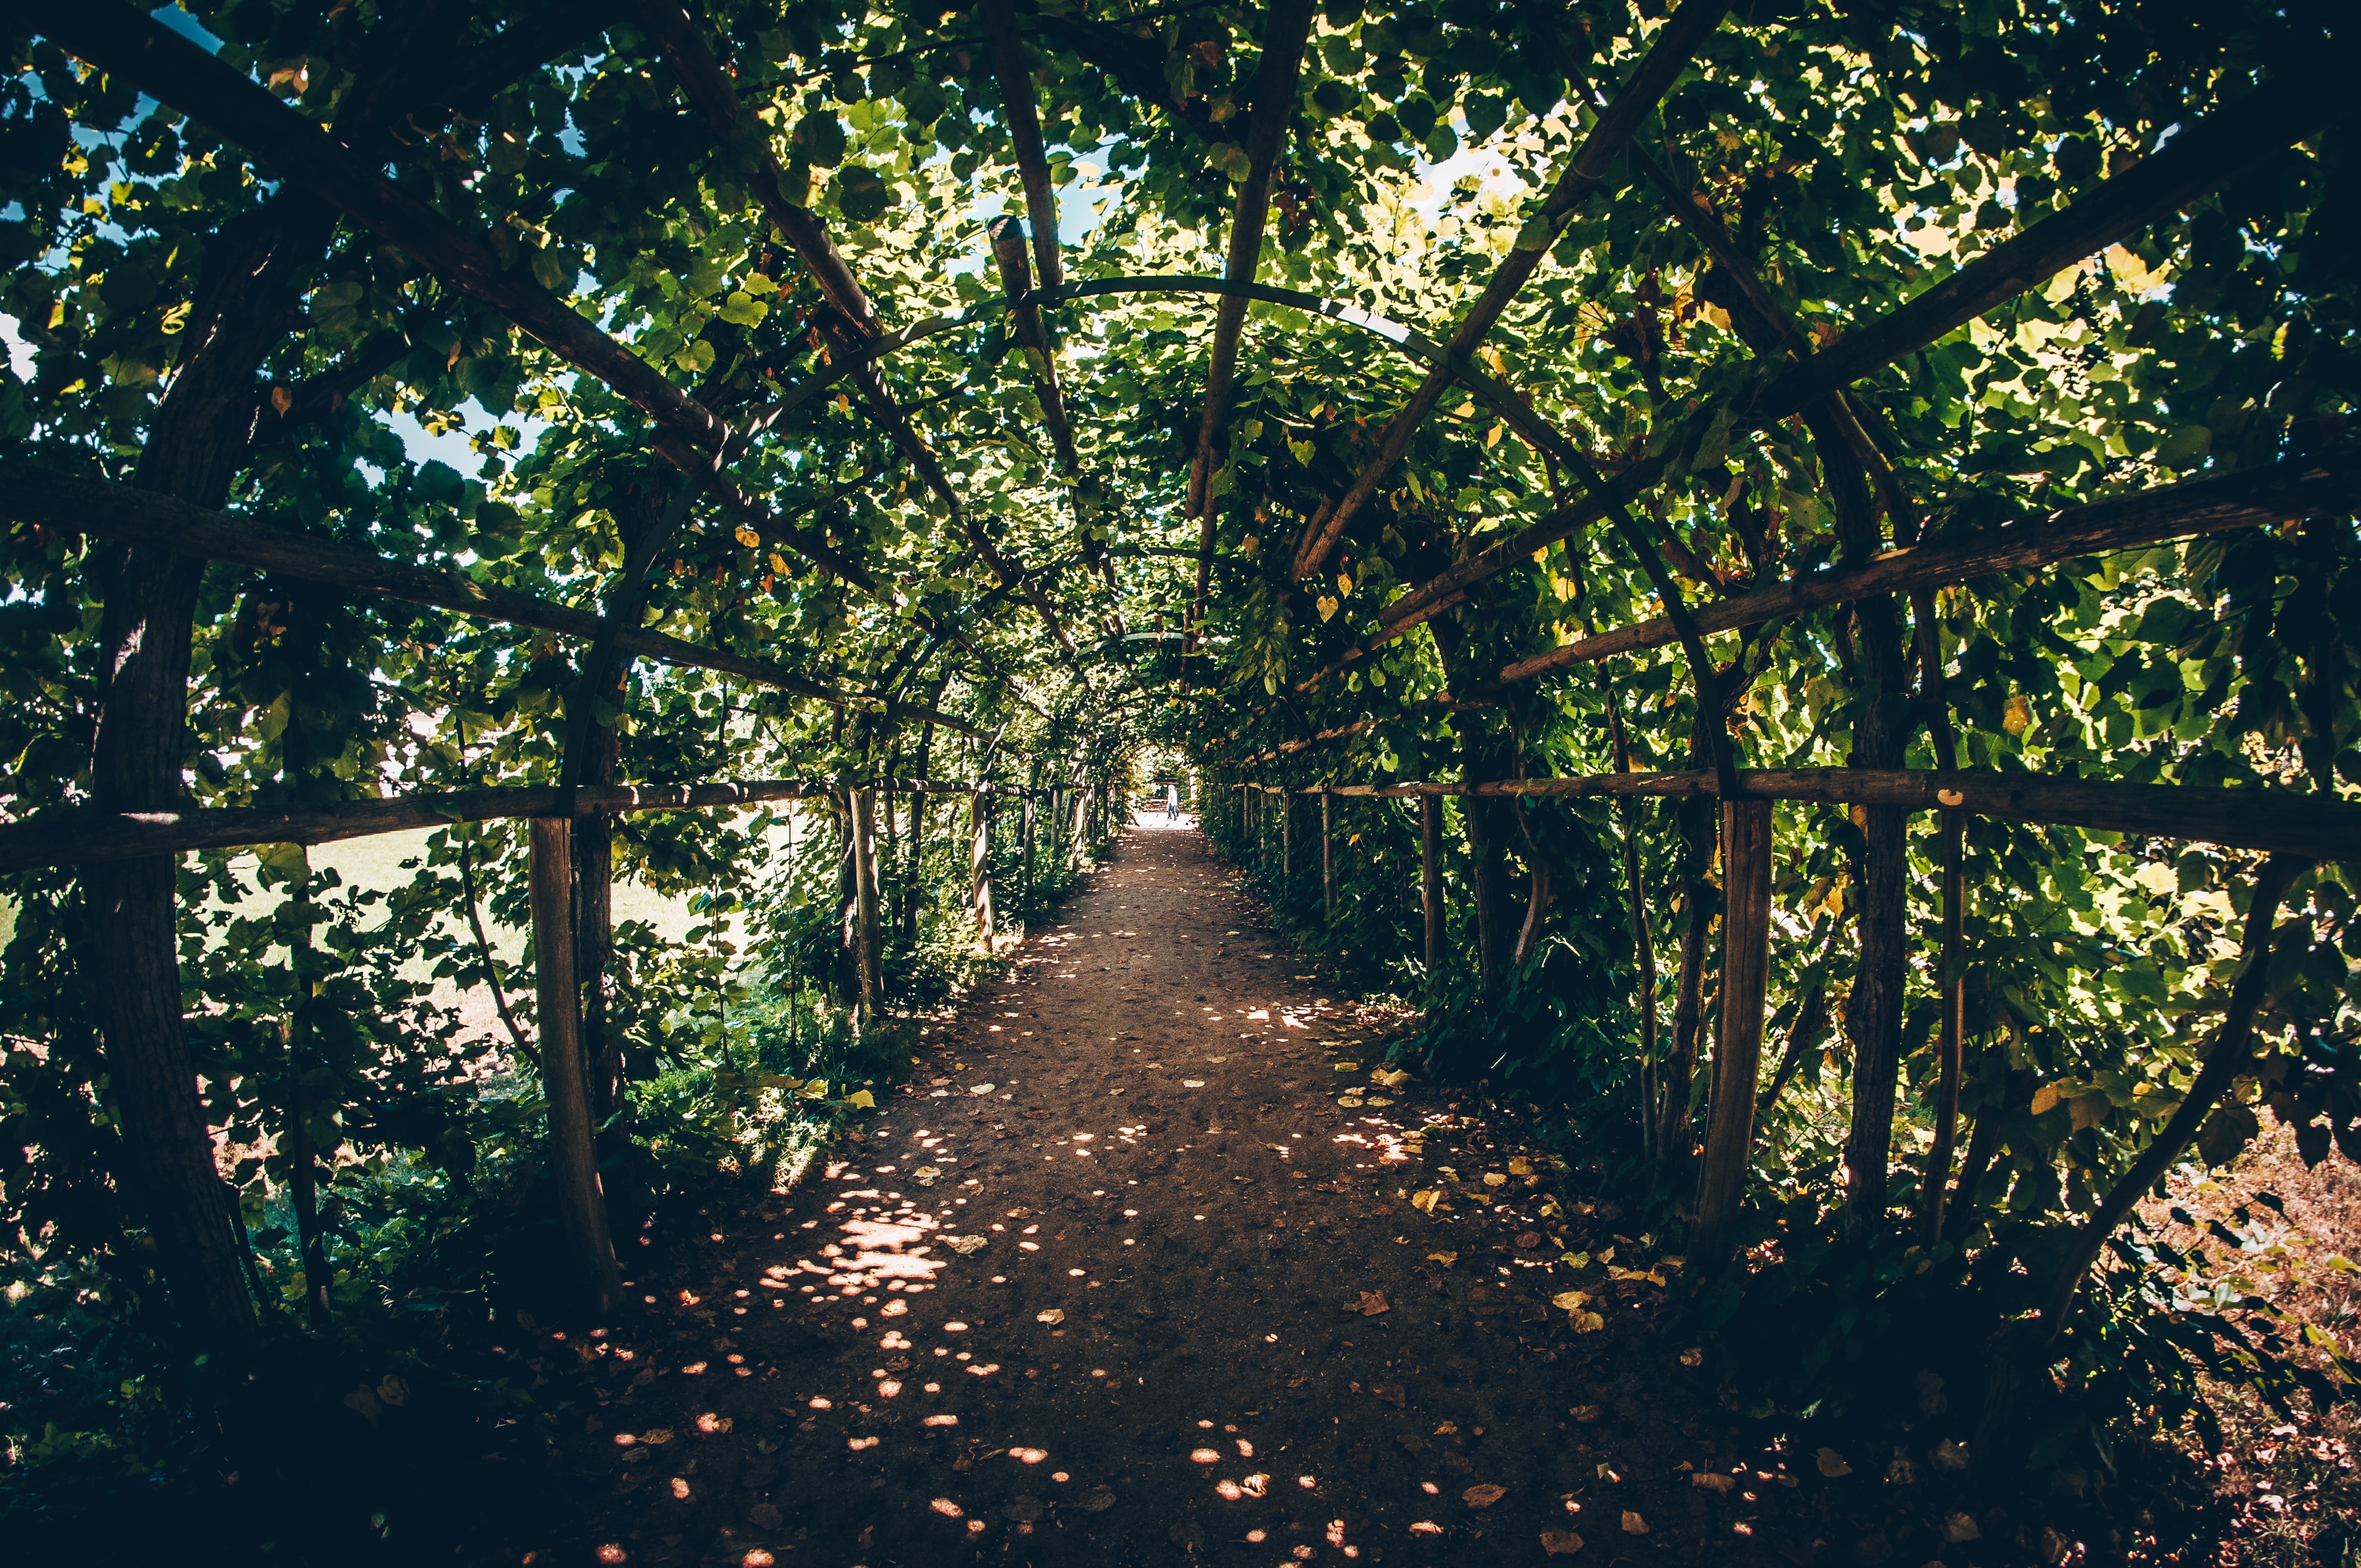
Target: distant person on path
[{"x": 1171, "y": 802}]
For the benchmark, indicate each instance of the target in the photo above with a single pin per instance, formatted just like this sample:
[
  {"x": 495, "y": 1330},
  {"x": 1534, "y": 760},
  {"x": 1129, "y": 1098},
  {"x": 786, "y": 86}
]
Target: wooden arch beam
[{"x": 125, "y": 43}]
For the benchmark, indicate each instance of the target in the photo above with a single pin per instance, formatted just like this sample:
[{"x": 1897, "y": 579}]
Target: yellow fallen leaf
[
  {"x": 1693, "y": 1356},
  {"x": 656, "y": 1434},
  {"x": 1645, "y": 1275},
  {"x": 747, "y": 537},
  {"x": 1424, "y": 1202},
  {"x": 1054, "y": 1315},
  {"x": 1444, "y": 1259},
  {"x": 1521, "y": 1166},
  {"x": 1374, "y": 1302},
  {"x": 1633, "y": 1524},
  {"x": 966, "y": 1245},
  {"x": 1494, "y": 1179},
  {"x": 1393, "y": 1079},
  {"x": 1570, "y": 1301},
  {"x": 1560, "y": 1542},
  {"x": 1588, "y": 1322},
  {"x": 1713, "y": 1482},
  {"x": 928, "y": 1175},
  {"x": 1832, "y": 1463},
  {"x": 1483, "y": 1495},
  {"x": 1576, "y": 1259}
]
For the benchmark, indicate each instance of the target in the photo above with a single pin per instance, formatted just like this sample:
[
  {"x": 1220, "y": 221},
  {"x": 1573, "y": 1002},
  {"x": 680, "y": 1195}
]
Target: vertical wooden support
[
  {"x": 980, "y": 867},
  {"x": 573, "y": 1160},
  {"x": 1738, "y": 1051},
  {"x": 1952, "y": 1045},
  {"x": 1077, "y": 819},
  {"x": 1327, "y": 858},
  {"x": 1286, "y": 836},
  {"x": 1024, "y": 833},
  {"x": 865, "y": 943},
  {"x": 299, "y": 1151},
  {"x": 1430, "y": 874}
]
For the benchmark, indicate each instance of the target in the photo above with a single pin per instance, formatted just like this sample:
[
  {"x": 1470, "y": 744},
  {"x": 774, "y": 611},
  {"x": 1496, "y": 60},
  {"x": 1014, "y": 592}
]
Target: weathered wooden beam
[
  {"x": 128, "y": 45},
  {"x": 2320, "y": 826},
  {"x": 708, "y": 84},
  {"x": 1022, "y": 115},
  {"x": 1669, "y": 54},
  {"x": 36, "y": 495},
  {"x": 2304, "y": 487},
  {"x": 78, "y": 835},
  {"x": 572, "y": 1153},
  {"x": 1007, "y": 237},
  {"x": 2202, "y": 155},
  {"x": 1746, "y": 857},
  {"x": 1285, "y": 31}
]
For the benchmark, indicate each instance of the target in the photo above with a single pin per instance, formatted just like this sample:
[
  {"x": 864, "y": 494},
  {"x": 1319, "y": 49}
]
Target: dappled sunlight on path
[{"x": 1152, "y": 1261}]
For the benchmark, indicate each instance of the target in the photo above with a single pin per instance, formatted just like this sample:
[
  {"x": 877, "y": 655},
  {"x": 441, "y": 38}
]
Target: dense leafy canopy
[{"x": 1844, "y": 158}]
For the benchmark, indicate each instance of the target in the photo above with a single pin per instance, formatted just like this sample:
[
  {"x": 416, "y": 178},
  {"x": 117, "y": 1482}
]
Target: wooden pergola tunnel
[{"x": 1790, "y": 427}]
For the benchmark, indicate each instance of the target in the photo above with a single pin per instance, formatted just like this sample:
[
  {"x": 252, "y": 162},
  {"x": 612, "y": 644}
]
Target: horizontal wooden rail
[
  {"x": 2295, "y": 489},
  {"x": 80, "y": 835},
  {"x": 2320, "y": 826},
  {"x": 2300, "y": 487},
  {"x": 43, "y": 495}
]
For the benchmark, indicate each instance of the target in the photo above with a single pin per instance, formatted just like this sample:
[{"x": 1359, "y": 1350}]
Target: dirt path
[{"x": 1129, "y": 1274}]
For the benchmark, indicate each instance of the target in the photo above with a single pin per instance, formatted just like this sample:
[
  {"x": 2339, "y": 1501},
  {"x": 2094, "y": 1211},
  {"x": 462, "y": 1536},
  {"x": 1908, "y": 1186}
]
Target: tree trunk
[
  {"x": 573, "y": 1155},
  {"x": 193, "y": 451},
  {"x": 1643, "y": 939},
  {"x": 1873, "y": 1010},
  {"x": 1746, "y": 859}
]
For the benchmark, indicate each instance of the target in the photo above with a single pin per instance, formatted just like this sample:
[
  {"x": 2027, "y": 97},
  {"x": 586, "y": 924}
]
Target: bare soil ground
[{"x": 1143, "y": 1266}]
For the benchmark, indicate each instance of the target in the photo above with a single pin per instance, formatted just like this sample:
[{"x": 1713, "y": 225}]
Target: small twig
[{"x": 484, "y": 951}]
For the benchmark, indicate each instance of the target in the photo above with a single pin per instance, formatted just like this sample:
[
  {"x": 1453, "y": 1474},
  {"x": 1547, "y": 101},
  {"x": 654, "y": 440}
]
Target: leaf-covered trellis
[{"x": 1803, "y": 549}]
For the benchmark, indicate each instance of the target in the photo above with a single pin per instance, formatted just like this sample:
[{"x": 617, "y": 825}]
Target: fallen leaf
[
  {"x": 1713, "y": 1482},
  {"x": 1527, "y": 1240},
  {"x": 928, "y": 1175},
  {"x": 710, "y": 1423},
  {"x": 1494, "y": 1179},
  {"x": 966, "y": 1245},
  {"x": 762, "y": 1516},
  {"x": 1633, "y": 1524},
  {"x": 1958, "y": 1528},
  {"x": 1054, "y": 1315},
  {"x": 1098, "y": 1500},
  {"x": 1390, "y": 1079},
  {"x": 1374, "y": 1302},
  {"x": 1832, "y": 1463},
  {"x": 1576, "y": 1259},
  {"x": 1588, "y": 1322},
  {"x": 656, "y": 1434},
  {"x": 1424, "y": 1202},
  {"x": 1949, "y": 1454},
  {"x": 1571, "y": 1300},
  {"x": 1693, "y": 1356},
  {"x": 1645, "y": 1275},
  {"x": 1020, "y": 1213},
  {"x": 1585, "y": 1414},
  {"x": 1560, "y": 1542},
  {"x": 1444, "y": 1259},
  {"x": 1483, "y": 1495}
]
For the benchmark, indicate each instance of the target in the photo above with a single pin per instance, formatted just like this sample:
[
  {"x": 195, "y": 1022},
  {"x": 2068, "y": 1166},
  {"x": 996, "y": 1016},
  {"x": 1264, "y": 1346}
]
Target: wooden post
[
  {"x": 1327, "y": 858},
  {"x": 1430, "y": 872},
  {"x": 1952, "y": 1046},
  {"x": 866, "y": 913},
  {"x": 1738, "y": 1051},
  {"x": 573, "y": 1160},
  {"x": 980, "y": 868},
  {"x": 1024, "y": 833},
  {"x": 1286, "y": 836}
]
